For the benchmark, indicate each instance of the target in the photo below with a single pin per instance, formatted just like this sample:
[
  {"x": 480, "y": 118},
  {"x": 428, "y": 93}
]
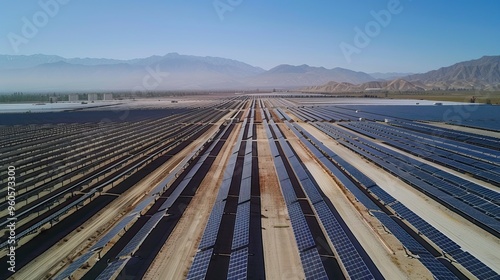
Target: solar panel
[
  {"x": 113, "y": 232},
  {"x": 382, "y": 195},
  {"x": 288, "y": 191},
  {"x": 238, "y": 265},
  {"x": 212, "y": 228},
  {"x": 241, "y": 226},
  {"x": 312, "y": 264},
  {"x": 311, "y": 191},
  {"x": 476, "y": 267},
  {"x": 247, "y": 170},
  {"x": 200, "y": 264},
  {"x": 250, "y": 130},
  {"x": 268, "y": 131},
  {"x": 280, "y": 169},
  {"x": 245, "y": 190},
  {"x": 435, "y": 267},
  {"x": 407, "y": 240},
  {"x": 74, "y": 266},
  {"x": 297, "y": 168},
  {"x": 347, "y": 252},
  {"x": 224, "y": 189},
  {"x": 112, "y": 268},
  {"x": 301, "y": 230},
  {"x": 274, "y": 149},
  {"x": 139, "y": 237},
  {"x": 358, "y": 175},
  {"x": 286, "y": 148},
  {"x": 248, "y": 147}
]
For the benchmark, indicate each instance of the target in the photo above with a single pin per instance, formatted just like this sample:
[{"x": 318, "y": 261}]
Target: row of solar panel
[
  {"x": 352, "y": 261},
  {"x": 312, "y": 264},
  {"x": 431, "y": 150},
  {"x": 141, "y": 206},
  {"x": 473, "y": 199},
  {"x": 433, "y": 265},
  {"x": 471, "y": 138},
  {"x": 238, "y": 265},
  {"x": 360, "y": 146}
]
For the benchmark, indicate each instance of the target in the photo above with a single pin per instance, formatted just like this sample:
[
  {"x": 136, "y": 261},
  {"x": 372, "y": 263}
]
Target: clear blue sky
[{"x": 425, "y": 35}]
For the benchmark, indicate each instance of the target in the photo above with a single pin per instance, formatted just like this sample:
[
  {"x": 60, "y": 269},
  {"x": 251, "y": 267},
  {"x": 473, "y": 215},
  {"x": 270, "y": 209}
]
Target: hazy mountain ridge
[
  {"x": 176, "y": 71},
  {"x": 55, "y": 73},
  {"x": 482, "y": 74}
]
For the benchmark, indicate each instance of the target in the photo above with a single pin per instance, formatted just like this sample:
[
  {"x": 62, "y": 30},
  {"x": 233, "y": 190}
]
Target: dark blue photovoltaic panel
[
  {"x": 245, "y": 190},
  {"x": 274, "y": 149},
  {"x": 241, "y": 226},
  {"x": 301, "y": 230},
  {"x": 358, "y": 175},
  {"x": 212, "y": 228},
  {"x": 224, "y": 189},
  {"x": 288, "y": 191},
  {"x": 200, "y": 264},
  {"x": 352, "y": 261},
  {"x": 435, "y": 267},
  {"x": 248, "y": 147},
  {"x": 311, "y": 190},
  {"x": 139, "y": 237},
  {"x": 382, "y": 195},
  {"x": 114, "y": 231},
  {"x": 407, "y": 240},
  {"x": 238, "y": 265},
  {"x": 112, "y": 268},
  {"x": 297, "y": 168},
  {"x": 247, "y": 170},
  {"x": 476, "y": 267},
  {"x": 268, "y": 130},
  {"x": 250, "y": 131},
  {"x": 312, "y": 264},
  {"x": 74, "y": 266},
  {"x": 280, "y": 169},
  {"x": 286, "y": 147}
]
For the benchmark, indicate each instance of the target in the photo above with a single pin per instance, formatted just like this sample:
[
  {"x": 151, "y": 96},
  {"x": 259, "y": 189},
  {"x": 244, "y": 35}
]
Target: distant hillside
[
  {"x": 481, "y": 74},
  {"x": 303, "y": 75},
  {"x": 389, "y": 76},
  {"x": 395, "y": 85}
]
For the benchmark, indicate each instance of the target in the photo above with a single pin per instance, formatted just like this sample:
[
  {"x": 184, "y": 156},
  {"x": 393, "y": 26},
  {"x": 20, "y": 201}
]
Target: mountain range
[
  {"x": 173, "y": 71},
  {"x": 480, "y": 74}
]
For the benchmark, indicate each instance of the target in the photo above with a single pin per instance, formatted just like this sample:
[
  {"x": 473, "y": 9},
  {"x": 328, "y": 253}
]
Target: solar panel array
[
  {"x": 142, "y": 205},
  {"x": 313, "y": 267},
  {"x": 211, "y": 230},
  {"x": 199, "y": 267},
  {"x": 139, "y": 237},
  {"x": 112, "y": 268},
  {"x": 436, "y": 268},
  {"x": 433, "y": 264},
  {"x": 74, "y": 266},
  {"x": 242, "y": 220},
  {"x": 238, "y": 265},
  {"x": 418, "y": 175},
  {"x": 348, "y": 253},
  {"x": 300, "y": 228},
  {"x": 241, "y": 226}
]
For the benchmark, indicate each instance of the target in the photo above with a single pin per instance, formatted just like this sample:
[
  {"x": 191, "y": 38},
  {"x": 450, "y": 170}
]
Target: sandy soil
[
  {"x": 385, "y": 251},
  {"x": 57, "y": 256},
  {"x": 176, "y": 255},
  {"x": 281, "y": 254},
  {"x": 471, "y": 238}
]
